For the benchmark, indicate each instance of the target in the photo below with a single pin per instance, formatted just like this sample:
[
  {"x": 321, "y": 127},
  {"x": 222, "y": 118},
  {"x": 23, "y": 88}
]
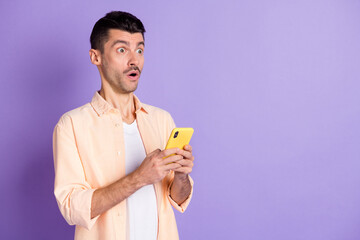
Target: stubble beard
[
  {"x": 117, "y": 82},
  {"x": 119, "y": 85}
]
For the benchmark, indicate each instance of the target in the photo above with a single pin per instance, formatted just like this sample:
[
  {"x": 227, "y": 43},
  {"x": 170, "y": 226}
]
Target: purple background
[{"x": 271, "y": 88}]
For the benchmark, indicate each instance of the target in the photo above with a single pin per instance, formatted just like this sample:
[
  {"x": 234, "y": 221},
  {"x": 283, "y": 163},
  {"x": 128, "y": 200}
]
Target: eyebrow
[{"x": 127, "y": 43}]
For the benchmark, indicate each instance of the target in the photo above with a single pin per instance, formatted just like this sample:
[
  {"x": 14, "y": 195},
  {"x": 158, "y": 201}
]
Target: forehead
[{"x": 116, "y": 34}]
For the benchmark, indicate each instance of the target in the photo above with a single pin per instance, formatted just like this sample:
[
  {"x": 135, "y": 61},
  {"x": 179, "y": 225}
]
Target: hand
[
  {"x": 186, "y": 163},
  {"x": 157, "y": 165}
]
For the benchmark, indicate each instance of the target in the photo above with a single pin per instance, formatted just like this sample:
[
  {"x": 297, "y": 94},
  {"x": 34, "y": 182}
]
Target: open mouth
[{"x": 133, "y": 74}]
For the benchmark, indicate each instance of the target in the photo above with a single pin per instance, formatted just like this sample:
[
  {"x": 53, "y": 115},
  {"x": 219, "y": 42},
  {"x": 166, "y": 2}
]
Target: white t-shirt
[{"x": 142, "y": 218}]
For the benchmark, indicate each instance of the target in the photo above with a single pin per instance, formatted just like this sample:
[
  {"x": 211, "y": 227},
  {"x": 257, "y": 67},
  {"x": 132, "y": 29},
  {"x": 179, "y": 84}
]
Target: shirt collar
[{"x": 101, "y": 106}]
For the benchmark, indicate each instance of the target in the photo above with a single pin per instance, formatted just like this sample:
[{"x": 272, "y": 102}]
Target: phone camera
[{"x": 176, "y": 134}]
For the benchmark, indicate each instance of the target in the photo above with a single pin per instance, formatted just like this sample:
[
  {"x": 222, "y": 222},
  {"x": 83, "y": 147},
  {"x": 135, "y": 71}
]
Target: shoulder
[
  {"x": 160, "y": 120},
  {"x": 156, "y": 112},
  {"x": 81, "y": 113},
  {"x": 159, "y": 117}
]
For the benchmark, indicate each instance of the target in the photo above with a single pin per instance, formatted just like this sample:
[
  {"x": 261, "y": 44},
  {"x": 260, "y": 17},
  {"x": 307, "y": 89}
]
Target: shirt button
[
  {"x": 117, "y": 125},
  {"x": 118, "y": 152}
]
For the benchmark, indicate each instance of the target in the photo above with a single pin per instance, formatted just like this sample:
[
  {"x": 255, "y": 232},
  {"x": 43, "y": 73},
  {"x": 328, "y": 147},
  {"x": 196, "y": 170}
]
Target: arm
[
  {"x": 105, "y": 198},
  {"x": 72, "y": 192},
  {"x": 76, "y": 198},
  {"x": 181, "y": 186},
  {"x": 153, "y": 169}
]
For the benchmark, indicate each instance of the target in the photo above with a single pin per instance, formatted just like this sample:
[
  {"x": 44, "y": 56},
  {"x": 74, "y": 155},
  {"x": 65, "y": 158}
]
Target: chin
[{"x": 130, "y": 90}]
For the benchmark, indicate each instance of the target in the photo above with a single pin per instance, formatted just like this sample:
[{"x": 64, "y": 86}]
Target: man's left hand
[{"x": 186, "y": 163}]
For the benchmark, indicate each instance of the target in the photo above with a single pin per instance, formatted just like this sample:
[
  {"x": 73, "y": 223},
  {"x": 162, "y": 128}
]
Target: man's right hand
[
  {"x": 157, "y": 165},
  {"x": 153, "y": 169}
]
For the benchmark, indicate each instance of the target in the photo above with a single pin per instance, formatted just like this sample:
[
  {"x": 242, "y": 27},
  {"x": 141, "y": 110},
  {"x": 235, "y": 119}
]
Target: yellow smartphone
[{"x": 179, "y": 137}]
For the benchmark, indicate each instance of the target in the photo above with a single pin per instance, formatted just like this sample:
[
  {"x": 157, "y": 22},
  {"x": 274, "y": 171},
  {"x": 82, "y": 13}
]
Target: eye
[
  {"x": 121, "y": 50},
  {"x": 140, "y": 51}
]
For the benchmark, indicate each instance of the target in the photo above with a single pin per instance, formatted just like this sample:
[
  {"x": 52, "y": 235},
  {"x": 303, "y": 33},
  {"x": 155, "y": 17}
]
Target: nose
[{"x": 133, "y": 59}]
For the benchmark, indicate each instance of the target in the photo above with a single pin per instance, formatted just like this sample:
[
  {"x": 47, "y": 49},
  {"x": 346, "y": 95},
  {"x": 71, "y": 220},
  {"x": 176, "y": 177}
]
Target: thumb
[{"x": 156, "y": 151}]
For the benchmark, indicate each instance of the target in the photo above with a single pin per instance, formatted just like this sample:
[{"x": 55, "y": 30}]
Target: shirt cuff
[
  {"x": 80, "y": 208},
  {"x": 182, "y": 207}
]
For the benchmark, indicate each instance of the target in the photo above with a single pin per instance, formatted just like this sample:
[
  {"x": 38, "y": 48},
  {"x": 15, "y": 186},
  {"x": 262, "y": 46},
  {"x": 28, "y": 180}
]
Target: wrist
[
  {"x": 181, "y": 176},
  {"x": 137, "y": 180}
]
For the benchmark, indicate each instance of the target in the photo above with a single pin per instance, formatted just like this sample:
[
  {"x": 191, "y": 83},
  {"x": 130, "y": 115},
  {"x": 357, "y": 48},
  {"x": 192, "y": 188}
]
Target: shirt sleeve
[
  {"x": 182, "y": 207},
  {"x": 72, "y": 192}
]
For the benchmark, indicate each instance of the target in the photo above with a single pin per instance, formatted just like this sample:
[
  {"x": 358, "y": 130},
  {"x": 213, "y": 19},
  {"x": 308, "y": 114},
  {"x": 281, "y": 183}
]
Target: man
[{"x": 111, "y": 179}]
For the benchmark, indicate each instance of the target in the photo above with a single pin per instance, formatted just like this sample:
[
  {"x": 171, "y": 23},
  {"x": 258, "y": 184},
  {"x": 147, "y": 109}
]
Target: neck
[{"x": 124, "y": 102}]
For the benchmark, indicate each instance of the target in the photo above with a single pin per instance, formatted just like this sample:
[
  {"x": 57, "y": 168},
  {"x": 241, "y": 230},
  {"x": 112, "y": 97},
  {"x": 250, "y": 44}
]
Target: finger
[
  {"x": 185, "y": 154},
  {"x": 188, "y": 148},
  {"x": 173, "y": 158},
  {"x": 168, "y": 152},
  {"x": 183, "y": 170},
  {"x": 186, "y": 163},
  {"x": 172, "y": 166}
]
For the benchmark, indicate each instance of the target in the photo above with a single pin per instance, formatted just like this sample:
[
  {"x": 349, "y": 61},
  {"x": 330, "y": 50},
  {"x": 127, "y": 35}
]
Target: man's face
[{"x": 123, "y": 60}]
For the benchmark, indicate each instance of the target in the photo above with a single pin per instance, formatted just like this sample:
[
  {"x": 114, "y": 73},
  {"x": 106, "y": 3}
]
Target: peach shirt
[{"x": 88, "y": 147}]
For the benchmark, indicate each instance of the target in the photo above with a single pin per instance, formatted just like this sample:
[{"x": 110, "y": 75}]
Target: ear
[{"x": 95, "y": 57}]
